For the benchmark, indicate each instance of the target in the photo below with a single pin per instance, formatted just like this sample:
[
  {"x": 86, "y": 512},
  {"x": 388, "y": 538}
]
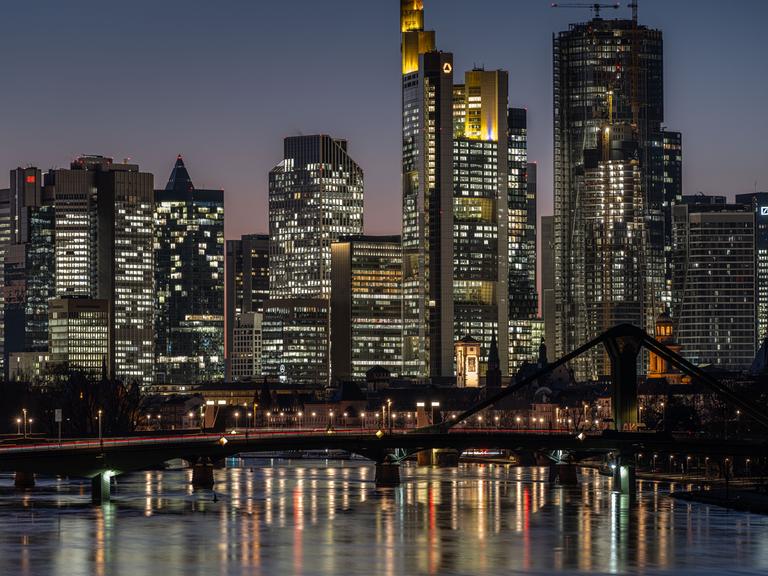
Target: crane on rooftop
[{"x": 595, "y": 6}]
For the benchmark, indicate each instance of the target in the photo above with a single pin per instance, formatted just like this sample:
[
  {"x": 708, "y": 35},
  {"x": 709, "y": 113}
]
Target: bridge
[{"x": 105, "y": 458}]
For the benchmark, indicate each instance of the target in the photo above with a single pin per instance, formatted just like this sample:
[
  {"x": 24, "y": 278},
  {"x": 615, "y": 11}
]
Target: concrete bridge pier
[
  {"x": 387, "y": 473},
  {"x": 202, "y": 474},
  {"x": 624, "y": 476},
  {"x": 563, "y": 474},
  {"x": 24, "y": 480},
  {"x": 101, "y": 485}
]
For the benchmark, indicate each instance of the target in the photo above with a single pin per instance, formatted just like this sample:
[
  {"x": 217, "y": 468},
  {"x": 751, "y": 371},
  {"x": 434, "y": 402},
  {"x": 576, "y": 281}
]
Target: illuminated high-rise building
[
  {"x": 5, "y": 236},
  {"x": 315, "y": 197},
  {"x": 759, "y": 203},
  {"x": 609, "y": 182},
  {"x": 79, "y": 334},
  {"x": 427, "y": 170},
  {"x": 29, "y": 263},
  {"x": 366, "y": 306},
  {"x": 246, "y": 359},
  {"x": 523, "y": 297},
  {"x": 104, "y": 249},
  {"x": 246, "y": 282},
  {"x": 189, "y": 282},
  {"x": 715, "y": 295},
  {"x": 673, "y": 195},
  {"x": 481, "y": 213}
]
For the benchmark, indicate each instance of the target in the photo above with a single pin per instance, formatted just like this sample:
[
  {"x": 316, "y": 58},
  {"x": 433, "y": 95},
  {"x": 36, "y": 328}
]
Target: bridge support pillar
[
  {"x": 24, "y": 480},
  {"x": 387, "y": 474},
  {"x": 563, "y": 474},
  {"x": 100, "y": 488},
  {"x": 624, "y": 480},
  {"x": 202, "y": 474}
]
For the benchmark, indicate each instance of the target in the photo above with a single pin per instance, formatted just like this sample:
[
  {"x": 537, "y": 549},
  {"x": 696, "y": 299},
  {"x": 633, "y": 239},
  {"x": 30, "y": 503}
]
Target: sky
[{"x": 223, "y": 82}]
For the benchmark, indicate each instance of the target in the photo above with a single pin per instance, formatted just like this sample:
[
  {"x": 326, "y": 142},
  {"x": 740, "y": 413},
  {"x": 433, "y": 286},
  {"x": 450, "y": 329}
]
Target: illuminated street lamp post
[
  {"x": 237, "y": 418},
  {"x": 30, "y": 426},
  {"x": 433, "y": 406},
  {"x": 101, "y": 440},
  {"x": 18, "y": 426},
  {"x": 24, "y": 411}
]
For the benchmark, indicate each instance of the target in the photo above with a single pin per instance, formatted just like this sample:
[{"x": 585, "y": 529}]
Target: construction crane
[{"x": 595, "y": 7}]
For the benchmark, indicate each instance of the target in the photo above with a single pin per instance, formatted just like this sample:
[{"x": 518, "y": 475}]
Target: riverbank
[{"x": 743, "y": 500}]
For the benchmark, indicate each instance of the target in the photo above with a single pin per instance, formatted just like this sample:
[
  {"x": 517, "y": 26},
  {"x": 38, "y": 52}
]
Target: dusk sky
[{"x": 222, "y": 82}]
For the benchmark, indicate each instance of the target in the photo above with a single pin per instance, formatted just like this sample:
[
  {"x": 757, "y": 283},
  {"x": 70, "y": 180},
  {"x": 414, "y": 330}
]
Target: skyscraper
[
  {"x": 104, "y": 249},
  {"x": 29, "y": 263},
  {"x": 609, "y": 193},
  {"x": 5, "y": 237},
  {"x": 481, "y": 213},
  {"x": 366, "y": 305},
  {"x": 714, "y": 283},
  {"x": 523, "y": 297},
  {"x": 315, "y": 197},
  {"x": 548, "y": 282},
  {"x": 427, "y": 230},
  {"x": 759, "y": 203},
  {"x": 189, "y": 281},
  {"x": 246, "y": 282}
]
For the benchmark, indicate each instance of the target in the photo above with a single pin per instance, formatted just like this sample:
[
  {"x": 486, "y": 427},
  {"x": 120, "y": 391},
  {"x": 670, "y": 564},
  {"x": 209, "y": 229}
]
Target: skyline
[{"x": 221, "y": 110}]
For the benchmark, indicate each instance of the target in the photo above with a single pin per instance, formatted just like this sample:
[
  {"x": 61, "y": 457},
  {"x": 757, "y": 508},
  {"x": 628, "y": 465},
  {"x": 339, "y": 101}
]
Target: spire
[
  {"x": 179, "y": 180},
  {"x": 493, "y": 354}
]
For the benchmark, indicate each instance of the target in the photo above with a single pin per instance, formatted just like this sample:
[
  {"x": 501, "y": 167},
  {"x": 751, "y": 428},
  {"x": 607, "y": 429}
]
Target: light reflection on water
[{"x": 328, "y": 518}]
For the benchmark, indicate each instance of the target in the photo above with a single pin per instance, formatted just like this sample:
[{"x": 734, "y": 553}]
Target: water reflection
[{"x": 328, "y": 518}]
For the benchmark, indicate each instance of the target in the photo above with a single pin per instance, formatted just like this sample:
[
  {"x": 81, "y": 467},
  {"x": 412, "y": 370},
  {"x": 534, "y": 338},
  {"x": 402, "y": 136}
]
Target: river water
[{"x": 318, "y": 517}]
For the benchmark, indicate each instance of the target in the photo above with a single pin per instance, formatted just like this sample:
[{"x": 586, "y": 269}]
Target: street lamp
[
  {"x": 237, "y": 417},
  {"x": 434, "y": 405},
  {"x": 24, "y": 410},
  {"x": 18, "y": 426},
  {"x": 30, "y": 426},
  {"x": 101, "y": 439}
]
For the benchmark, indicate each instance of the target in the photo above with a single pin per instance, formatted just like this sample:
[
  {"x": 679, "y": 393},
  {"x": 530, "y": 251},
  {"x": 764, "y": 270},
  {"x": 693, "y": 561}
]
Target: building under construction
[{"x": 610, "y": 204}]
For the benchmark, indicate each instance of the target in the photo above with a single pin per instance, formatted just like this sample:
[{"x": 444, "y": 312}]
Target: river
[{"x": 318, "y": 517}]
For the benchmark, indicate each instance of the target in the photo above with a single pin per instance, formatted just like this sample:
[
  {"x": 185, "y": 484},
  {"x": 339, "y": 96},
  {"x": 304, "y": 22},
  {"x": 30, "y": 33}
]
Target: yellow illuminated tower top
[
  {"x": 485, "y": 94},
  {"x": 415, "y": 40},
  {"x": 411, "y": 15}
]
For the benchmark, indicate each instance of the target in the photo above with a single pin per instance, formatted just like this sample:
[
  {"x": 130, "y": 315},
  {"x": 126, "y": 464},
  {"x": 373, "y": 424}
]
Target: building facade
[
  {"x": 29, "y": 266},
  {"x": 79, "y": 334},
  {"x": 548, "y": 308},
  {"x": 247, "y": 347},
  {"x": 481, "y": 212},
  {"x": 366, "y": 306},
  {"x": 608, "y": 114},
  {"x": 523, "y": 291},
  {"x": 104, "y": 249},
  {"x": 315, "y": 197},
  {"x": 759, "y": 203},
  {"x": 189, "y": 282},
  {"x": 715, "y": 284},
  {"x": 5, "y": 237},
  {"x": 295, "y": 341},
  {"x": 247, "y": 281}
]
